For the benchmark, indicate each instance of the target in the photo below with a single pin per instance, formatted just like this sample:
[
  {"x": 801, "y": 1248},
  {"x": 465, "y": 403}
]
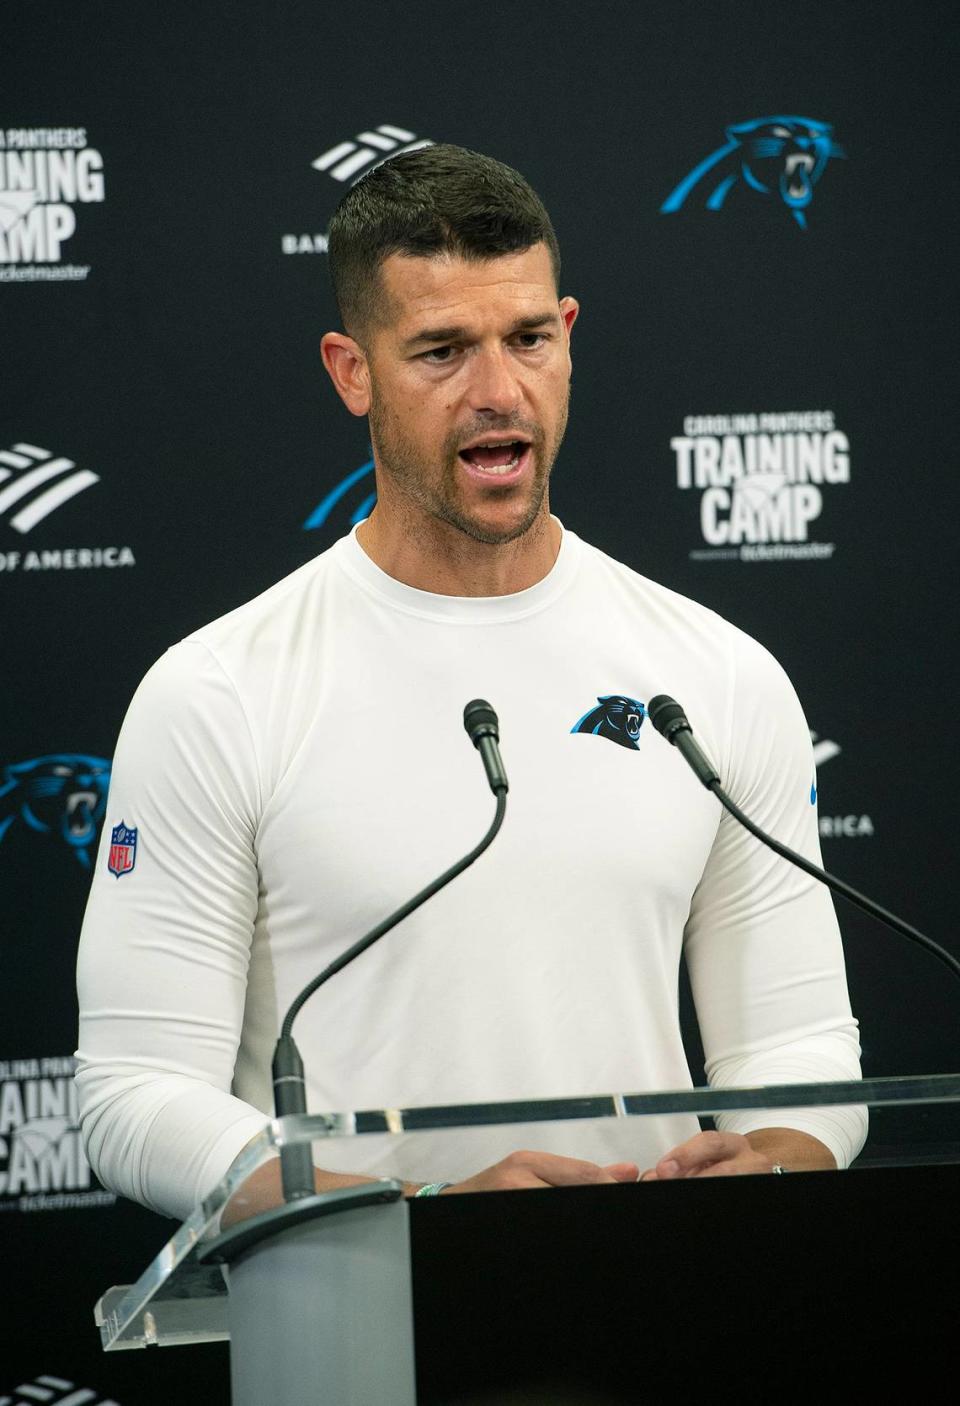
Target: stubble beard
[{"x": 413, "y": 475}]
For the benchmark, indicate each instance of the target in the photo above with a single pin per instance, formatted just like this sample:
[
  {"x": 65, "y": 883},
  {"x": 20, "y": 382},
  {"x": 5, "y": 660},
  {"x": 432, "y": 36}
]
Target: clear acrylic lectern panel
[{"x": 180, "y": 1299}]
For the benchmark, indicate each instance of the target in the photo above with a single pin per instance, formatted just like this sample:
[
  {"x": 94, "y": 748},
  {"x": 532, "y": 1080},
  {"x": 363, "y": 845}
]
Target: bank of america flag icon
[
  {"x": 123, "y": 849},
  {"x": 33, "y": 483},
  {"x": 370, "y": 149}
]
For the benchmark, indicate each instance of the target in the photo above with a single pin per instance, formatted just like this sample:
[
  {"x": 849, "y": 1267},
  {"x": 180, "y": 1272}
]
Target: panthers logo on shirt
[
  {"x": 615, "y": 717},
  {"x": 62, "y": 794}
]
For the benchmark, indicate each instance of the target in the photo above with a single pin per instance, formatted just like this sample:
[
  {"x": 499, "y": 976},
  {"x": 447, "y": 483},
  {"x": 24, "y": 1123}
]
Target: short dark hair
[{"x": 439, "y": 199}]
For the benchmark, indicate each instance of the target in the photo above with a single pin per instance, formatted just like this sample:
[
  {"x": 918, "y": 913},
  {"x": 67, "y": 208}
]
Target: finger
[
  {"x": 668, "y": 1169},
  {"x": 623, "y": 1171},
  {"x": 699, "y": 1152},
  {"x": 736, "y": 1166},
  {"x": 566, "y": 1171},
  {"x": 718, "y": 1169}
]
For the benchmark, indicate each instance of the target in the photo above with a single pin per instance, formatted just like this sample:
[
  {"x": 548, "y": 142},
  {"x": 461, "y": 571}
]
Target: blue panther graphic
[
  {"x": 784, "y": 156},
  {"x": 615, "y": 717},
  {"x": 327, "y": 504},
  {"x": 64, "y": 793}
]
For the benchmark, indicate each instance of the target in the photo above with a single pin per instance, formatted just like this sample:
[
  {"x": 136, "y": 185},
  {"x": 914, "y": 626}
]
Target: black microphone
[
  {"x": 483, "y": 730},
  {"x": 289, "y": 1089},
  {"x": 671, "y": 722}
]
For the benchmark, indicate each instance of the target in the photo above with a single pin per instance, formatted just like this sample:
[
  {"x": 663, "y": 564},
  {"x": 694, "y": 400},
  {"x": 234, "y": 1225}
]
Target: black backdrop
[{"x": 167, "y": 348}]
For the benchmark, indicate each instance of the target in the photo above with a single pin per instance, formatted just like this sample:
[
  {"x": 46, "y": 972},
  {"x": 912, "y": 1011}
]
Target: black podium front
[{"x": 767, "y": 1288}]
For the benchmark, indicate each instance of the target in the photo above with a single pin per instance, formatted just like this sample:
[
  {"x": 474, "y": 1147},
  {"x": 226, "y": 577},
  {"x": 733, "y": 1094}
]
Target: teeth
[
  {"x": 499, "y": 468},
  {"x": 80, "y": 798}
]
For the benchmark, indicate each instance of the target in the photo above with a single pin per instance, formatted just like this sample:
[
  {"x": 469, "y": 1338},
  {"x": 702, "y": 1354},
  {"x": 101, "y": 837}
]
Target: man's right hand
[
  {"x": 525, "y": 1171},
  {"x": 520, "y": 1171}
]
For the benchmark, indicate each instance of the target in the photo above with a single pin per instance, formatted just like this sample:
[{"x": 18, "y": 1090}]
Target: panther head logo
[
  {"x": 63, "y": 794},
  {"x": 615, "y": 717},
  {"x": 774, "y": 156}
]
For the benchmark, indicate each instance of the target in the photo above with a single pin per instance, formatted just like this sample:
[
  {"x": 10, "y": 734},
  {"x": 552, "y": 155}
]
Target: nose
[{"x": 494, "y": 387}]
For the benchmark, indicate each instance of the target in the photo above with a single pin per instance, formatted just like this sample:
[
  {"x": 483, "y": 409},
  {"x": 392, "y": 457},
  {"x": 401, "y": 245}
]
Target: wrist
[{"x": 792, "y": 1150}]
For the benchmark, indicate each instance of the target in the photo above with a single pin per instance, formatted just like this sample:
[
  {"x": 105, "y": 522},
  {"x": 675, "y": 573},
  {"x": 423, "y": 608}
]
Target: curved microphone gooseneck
[
  {"x": 289, "y": 1090},
  {"x": 671, "y": 722}
]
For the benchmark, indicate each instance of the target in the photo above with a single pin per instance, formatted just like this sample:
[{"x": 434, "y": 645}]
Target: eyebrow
[{"x": 433, "y": 335}]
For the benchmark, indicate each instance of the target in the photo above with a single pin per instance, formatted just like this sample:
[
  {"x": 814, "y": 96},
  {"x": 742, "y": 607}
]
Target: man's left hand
[{"x": 716, "y": 1154}]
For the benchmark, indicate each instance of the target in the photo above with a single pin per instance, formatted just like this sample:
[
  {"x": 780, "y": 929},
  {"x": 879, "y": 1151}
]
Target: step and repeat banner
[{"x": 756, "y": 207}]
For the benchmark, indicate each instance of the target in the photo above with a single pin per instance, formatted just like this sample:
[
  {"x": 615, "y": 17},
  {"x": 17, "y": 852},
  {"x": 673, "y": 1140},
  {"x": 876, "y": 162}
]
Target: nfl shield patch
[{"x": 123, "y": 849}]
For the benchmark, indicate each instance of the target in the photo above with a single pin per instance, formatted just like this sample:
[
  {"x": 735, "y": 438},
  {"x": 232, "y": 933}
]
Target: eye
[
  {"x": 438, "y": 356},
  {"x": 530, "y": 341}
]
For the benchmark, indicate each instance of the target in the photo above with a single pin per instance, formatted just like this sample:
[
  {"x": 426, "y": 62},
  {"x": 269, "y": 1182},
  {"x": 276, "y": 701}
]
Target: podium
[{"x": 586, "y": 1296}]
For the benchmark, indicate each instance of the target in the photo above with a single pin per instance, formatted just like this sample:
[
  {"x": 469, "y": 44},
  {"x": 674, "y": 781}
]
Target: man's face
[{"x": 469, "y": 382}]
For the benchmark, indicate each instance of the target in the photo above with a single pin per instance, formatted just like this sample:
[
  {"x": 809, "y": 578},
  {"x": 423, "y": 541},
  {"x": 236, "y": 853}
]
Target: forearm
[
  {"x": 263, "y": 1190},
  {"x": 822, "y": 1057},
  {"x": 795, "y": 1151}
]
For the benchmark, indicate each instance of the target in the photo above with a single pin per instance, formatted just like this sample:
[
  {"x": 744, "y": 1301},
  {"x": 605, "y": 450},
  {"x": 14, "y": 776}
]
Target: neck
[{"x": 441, "y": 559}]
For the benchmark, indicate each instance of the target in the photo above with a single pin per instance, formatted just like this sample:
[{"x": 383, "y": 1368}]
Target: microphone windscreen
[
  {"x": 666, "y": 715},
  {"x": 480, "y": 720}
]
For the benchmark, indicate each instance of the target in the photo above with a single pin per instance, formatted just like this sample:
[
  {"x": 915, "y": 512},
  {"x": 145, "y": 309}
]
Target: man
[{"x": 297, "y": 769}]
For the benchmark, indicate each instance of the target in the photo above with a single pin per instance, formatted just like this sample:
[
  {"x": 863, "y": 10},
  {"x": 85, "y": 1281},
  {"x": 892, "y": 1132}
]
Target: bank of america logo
[
  {"x": 33, "y": 484},
  {"x": 348, "y": 159},
  {"x": 823, "y": 751},
  {"x": 47, "y": 1388}
]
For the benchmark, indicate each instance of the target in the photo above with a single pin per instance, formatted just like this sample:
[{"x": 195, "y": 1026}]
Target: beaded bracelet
[{"x": 433, "y": 1188}]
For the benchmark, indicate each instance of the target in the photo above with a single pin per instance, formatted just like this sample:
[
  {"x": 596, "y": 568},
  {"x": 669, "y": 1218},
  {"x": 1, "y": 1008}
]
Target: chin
[
  {"x": 498, "y": 528},
  {"x": 500, "y": 523}
]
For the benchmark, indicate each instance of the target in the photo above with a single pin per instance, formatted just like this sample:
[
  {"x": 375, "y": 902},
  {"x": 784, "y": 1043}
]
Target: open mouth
[
  {"x": 795, "y": 182},
  {"x": 80, "y": 806},
  {"x": 496, "y": 458}
]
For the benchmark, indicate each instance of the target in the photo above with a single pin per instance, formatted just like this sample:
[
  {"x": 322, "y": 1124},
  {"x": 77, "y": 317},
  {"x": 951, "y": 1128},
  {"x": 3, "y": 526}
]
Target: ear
[
  {"x": 347, "y": 365},
  {"x": 569, "y": 308}
]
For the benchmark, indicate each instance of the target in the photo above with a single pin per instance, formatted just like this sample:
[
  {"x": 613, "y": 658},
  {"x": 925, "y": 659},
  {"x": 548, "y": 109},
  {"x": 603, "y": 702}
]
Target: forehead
[{"x": 451, "y": 289}]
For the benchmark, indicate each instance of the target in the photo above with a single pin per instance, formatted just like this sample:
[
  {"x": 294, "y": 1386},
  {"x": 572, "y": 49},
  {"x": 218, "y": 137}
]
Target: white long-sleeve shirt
[{"x": 298, "y": 768}]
